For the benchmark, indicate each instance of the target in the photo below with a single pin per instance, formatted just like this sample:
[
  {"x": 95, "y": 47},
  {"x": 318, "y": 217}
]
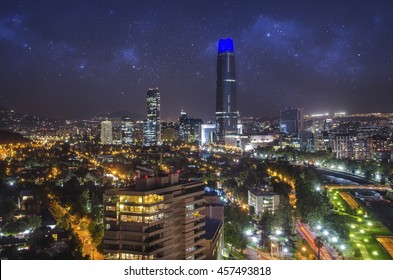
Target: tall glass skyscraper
[
  {"x": 152, "y": 125},
  {"x": 226, "y": 105}
]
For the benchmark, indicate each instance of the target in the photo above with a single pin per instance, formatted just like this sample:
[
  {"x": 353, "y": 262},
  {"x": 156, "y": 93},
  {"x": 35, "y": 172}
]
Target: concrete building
[
  {"x": 263, "y": 199},
  {"x": 157, "y": 219},
  {"x": 255, "y": 141},
  {"x": 106, "y": 133},
  {"x": 214, "y": 236},
  {"x": 214, "y": 239}
]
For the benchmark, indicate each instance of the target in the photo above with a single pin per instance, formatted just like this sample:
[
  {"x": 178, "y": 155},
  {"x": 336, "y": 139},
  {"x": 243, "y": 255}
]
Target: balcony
[
  {"x": 114, "y": 235},
  {"x": 200, "y": 256},
  {"x": 196, "y": 251},
  {"x": 154, "y": 249},
  {"x": 159, "y": 240},
  {"x": 193, "y": 226},
  {"x": 190, "y": 236}
]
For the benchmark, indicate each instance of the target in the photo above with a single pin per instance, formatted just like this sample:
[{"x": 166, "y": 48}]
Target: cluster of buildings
[
  {"x": 161, "y": 217},
  {"x": 225, "y": 130},
  {"x": 356, "y": 137},
  {"x": 365, "y": 137}
]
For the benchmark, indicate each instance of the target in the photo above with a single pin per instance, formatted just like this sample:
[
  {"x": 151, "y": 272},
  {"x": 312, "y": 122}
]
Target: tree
[
  {"x": 41, "y": 240},
  {"x": 265, "y": 225},
  {"x": 75, "y": 246},
  {"x": 96, "y": 233},
  {"x": 319, "y": 243},
  {"x": 233, "y": 235},
  {"x": 14, "y": 227},
  {"x": 34, "y": 222},
  {"x": 283, "y": 216},
  {"x": 64, "y": 222},
  {"x": 357, "y": 253},
  {"x": 97, "y": 210}
]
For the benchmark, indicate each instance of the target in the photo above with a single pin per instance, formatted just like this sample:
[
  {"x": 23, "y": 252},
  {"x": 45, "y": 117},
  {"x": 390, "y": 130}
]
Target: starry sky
[{"x": 77, "y": 59}]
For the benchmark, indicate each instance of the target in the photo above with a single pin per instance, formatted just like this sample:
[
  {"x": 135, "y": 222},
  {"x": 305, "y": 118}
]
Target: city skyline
[{"x": 74, "y": 60}]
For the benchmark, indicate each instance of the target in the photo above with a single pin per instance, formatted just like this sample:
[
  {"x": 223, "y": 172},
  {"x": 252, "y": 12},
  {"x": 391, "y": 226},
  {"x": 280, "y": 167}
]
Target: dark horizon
[{"x": 79, "y": 59}]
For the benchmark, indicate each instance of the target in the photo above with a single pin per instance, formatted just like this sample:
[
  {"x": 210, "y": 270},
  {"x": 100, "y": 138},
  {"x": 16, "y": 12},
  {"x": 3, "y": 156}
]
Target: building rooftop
[
  {"x": 212, "y": 226},
  {"x": 262, "y": 192}
]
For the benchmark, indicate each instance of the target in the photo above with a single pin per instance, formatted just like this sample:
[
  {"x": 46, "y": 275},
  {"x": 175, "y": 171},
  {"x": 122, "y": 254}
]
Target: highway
[{"x": 307, "y": 235}]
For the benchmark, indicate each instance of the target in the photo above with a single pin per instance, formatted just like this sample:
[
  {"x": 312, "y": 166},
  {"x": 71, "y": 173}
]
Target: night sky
[{"x": 83, "y": 58}]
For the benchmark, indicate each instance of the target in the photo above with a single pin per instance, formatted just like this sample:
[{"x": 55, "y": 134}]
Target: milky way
[{"x": 83, "y": 58}]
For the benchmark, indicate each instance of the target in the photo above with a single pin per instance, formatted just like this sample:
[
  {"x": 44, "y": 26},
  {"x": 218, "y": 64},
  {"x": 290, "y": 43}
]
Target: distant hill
[
  {"x": 8, "y": 137},
  {"x": 11, "y": 120},
  {"x": 120, "y": 114}
]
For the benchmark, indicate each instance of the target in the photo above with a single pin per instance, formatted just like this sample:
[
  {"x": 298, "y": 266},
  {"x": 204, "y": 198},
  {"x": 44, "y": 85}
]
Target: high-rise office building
[
  {"x": 291, "y": 121},
  {"x": 182, "y": 125},
  {"x": 106, "y": 132},
  {"x": 189, "y": 128},
  {"x": 226, "y": 105},
  {"x": 159, "y": 218},
  {"x": 152, "y": 125},
  {"x": 127, "y": 127}
]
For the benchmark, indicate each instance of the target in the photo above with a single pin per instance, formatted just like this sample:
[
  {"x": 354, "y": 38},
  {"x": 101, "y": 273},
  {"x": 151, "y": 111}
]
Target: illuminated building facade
[
  {"x": 152, "y": 125},
  {"x": 127, "y": 126},
  {"x": 206, "y": 133},
  {"x": 106, "y": 132},
  {"x": 263, "y": 200},
  {"x": 189, "y": 128},
  {"x": 157, "y": 219},
  {"x": 226, "y": 105}
]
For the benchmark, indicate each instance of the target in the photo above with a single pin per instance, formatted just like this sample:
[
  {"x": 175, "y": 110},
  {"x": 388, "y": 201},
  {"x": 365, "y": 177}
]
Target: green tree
[
  {"x": 14, "y": 227},
  {"x": 357, "y": 253},
  {"x": 33, "y": 222},
  {"x": 64, "y": 222},
  {"x": 97, "y": 210},
  {"x": 96, "y": 233},
  {"x": 319, "y": 244},
  {"x": 265, "y": 224},
  {"x": 233, "y": 235},
  {"x": 75, "y": 246}
]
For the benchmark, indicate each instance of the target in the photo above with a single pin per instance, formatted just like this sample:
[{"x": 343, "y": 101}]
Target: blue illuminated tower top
[{"x": 225, "y": 45}]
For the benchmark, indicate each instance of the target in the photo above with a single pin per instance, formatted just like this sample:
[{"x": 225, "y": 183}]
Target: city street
[{"x": 307, "y": 235}]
